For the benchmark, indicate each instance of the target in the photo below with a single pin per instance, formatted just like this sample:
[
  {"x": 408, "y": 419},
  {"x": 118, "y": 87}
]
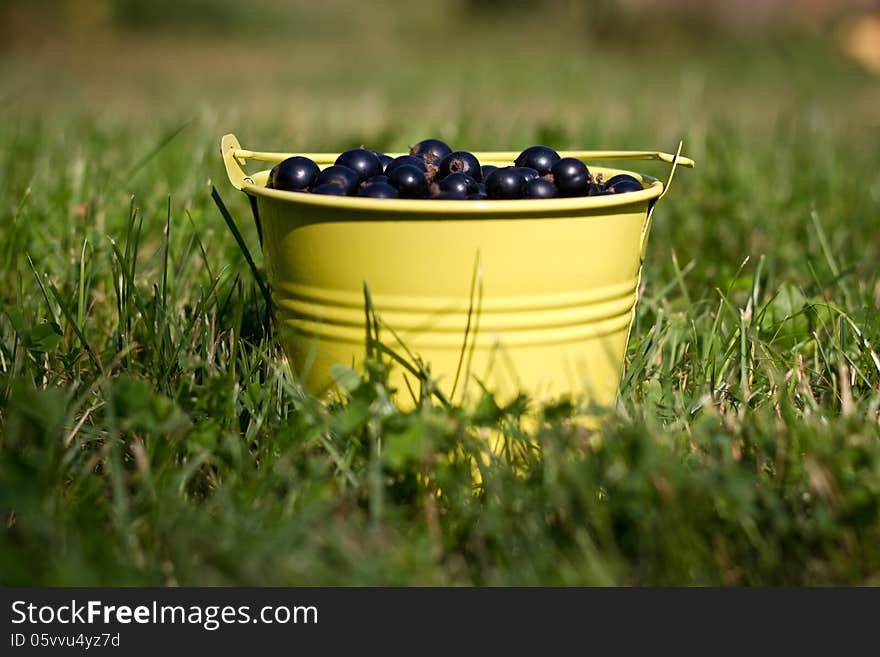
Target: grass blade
[{"x": 233, "y": 228}]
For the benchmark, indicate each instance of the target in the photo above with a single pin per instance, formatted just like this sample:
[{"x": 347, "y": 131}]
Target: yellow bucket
[{"x": 533, "y": 296}]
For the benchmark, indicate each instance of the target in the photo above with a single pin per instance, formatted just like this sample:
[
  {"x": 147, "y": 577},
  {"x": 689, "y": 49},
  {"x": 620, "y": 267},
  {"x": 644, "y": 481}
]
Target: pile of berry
[{"x": 433, "y": 170}]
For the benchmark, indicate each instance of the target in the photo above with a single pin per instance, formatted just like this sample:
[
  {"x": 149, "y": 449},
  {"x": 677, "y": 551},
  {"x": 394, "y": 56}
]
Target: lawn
[{"x": 152, "y": 433}]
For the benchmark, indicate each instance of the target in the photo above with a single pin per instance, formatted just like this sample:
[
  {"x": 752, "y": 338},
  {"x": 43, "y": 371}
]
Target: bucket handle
[
  {"x": 235, "y": 156},
  {"x": 229, "y": 148}
]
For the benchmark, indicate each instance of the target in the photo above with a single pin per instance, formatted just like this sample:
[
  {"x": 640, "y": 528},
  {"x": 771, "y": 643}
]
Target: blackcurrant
[
  {"x": 505, "y": 183},
  {"x": 623, "y": 183},
  {"x": 384, "y": 159},
  {"x": 365, "y": 163},
  {"x": 330, "y": 189},
  {"x": 458, "y": 182},
  {"x": 460, "y": 162},
  {"x": 409, "y": 181},
  {"x": 528, "y": 172},
  {"x": 431, "y": 150},
  {"x": 379, "y": 190},
  {"x": 539, "y": 188},
  {"x": 294, "y": 174},
  {"x": 487, "y": 169},
  {"x": 540, "y": 158},
  {"x": 571, "y": 177},
  {"x": 374, "y": 179},
  {"x": 450, "y": 196},
  {"x": 340, "y": 175},
  {"x": 411, "y": 160}
]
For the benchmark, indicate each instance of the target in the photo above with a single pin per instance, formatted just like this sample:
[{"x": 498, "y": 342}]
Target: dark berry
[
  {"x": 384, "y": 159},
  {"x": 331, "y": 189},
  {"x": 365, "y": 163},
  {"x": 294, "y": 174},
  {"x": 431, "y": 150},
  {"x": 379, "y": 190},
  {"x": 409, "y": 181},
  {"x": 460, "y": 162},
  {"x": 487, "y": 169},
  {"x": 505, "y": 183},
  {"x": 374, "y": 179},
  {"x": 450, "y": 196},
  {"x": 411, "y": 160},
  {"x": 539, "y": 188},
  {"x": 458, "y": 182},
  {"x": 539, "y": 158},
  {"x": 622, "y": 183},
  {"x": 571, "y": 177},
  {"x": 481, "y": 187},
  {"x": 477, "y": 196},
  {"x": 528, "y": 172},
  {"x": 341, "y": 175}
]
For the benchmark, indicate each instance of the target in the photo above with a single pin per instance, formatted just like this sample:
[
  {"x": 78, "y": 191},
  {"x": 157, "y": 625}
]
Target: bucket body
[{"x": 533, "y": 296}]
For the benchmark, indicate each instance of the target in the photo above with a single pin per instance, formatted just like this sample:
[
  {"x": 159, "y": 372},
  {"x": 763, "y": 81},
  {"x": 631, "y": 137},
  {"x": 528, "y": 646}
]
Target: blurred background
[{"x": 315, "y": 75}]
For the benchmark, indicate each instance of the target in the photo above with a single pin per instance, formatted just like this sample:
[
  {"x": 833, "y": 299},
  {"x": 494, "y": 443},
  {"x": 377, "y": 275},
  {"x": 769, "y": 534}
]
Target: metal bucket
[{"x": 534, "y": 296}]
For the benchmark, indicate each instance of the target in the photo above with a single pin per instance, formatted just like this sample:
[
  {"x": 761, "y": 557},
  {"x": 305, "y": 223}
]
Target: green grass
[{"x": 152, "y": 434}]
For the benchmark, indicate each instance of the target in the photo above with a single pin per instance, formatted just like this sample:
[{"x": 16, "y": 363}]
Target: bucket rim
[{"x": 438, "y": 208}]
